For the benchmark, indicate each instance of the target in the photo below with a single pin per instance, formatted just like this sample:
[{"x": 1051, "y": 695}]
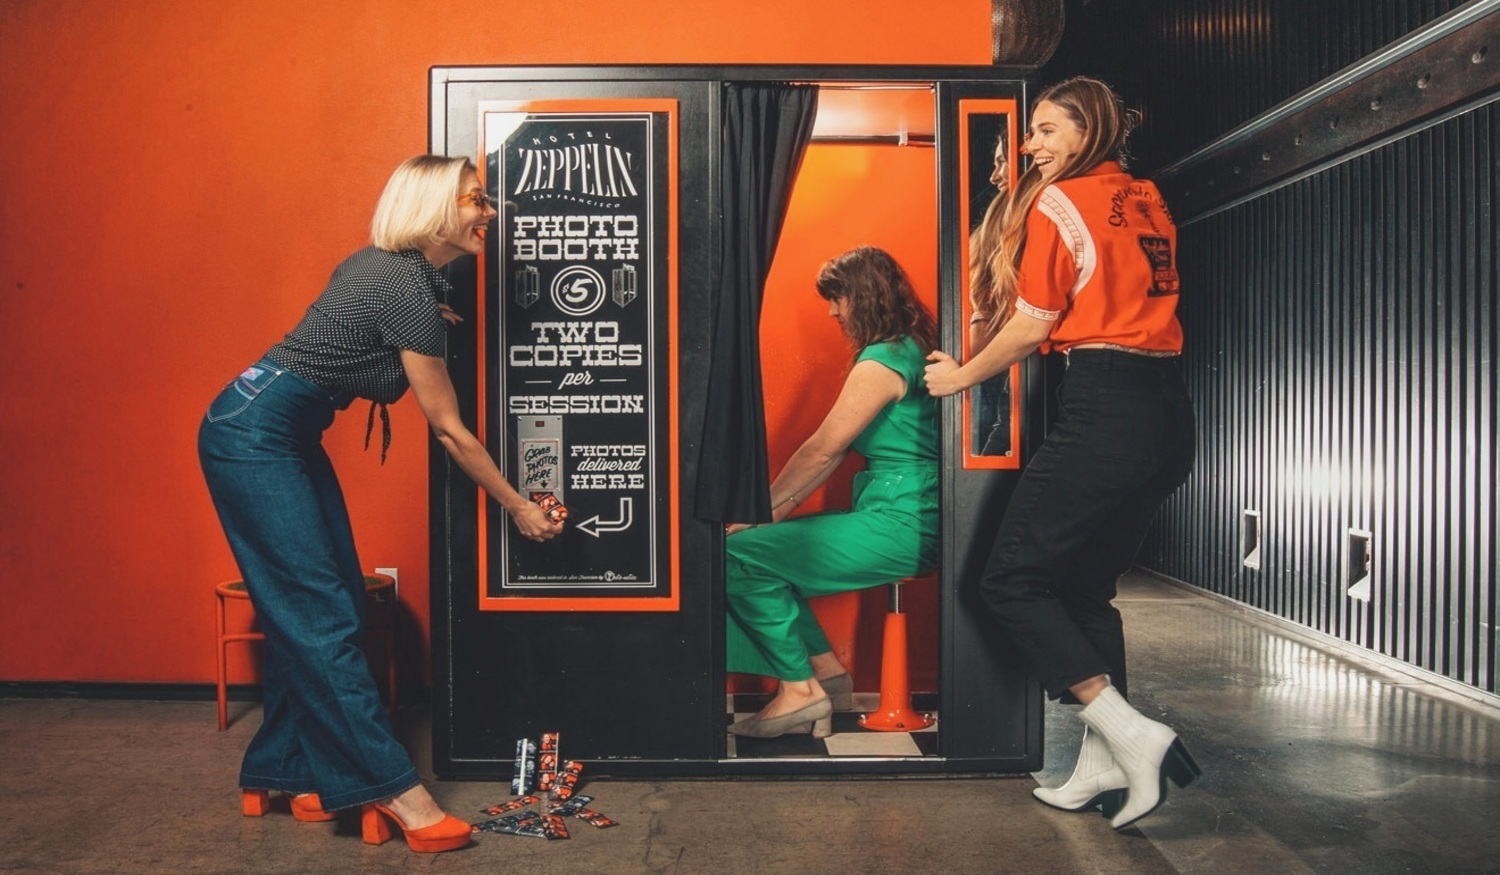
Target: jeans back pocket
[{"x": 241, "y": 391}]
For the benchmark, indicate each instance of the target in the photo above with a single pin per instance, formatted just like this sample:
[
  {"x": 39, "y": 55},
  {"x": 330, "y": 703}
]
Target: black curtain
[{"x": 766, "y": 130}]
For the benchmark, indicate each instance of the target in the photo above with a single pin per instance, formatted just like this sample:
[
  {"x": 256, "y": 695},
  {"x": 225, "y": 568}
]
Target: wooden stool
[
  {"x": 379, "y": 588},
  {"x": 895, "y": 713}
]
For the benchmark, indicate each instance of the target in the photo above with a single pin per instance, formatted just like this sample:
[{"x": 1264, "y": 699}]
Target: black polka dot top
[{"x": 376, "y": 304}]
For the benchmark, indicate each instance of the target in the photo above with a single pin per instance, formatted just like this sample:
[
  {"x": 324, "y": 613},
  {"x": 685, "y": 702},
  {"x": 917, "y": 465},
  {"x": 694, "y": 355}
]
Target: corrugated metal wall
[
  {"x": 1342, "y": 358},
  {"x": 1198, "y": 68},
  {"x": 1342, "y": 333}
]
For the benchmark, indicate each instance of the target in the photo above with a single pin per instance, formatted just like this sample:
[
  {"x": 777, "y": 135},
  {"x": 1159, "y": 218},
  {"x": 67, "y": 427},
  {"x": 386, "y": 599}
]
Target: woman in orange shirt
[{"x": 1085, "y": 265}]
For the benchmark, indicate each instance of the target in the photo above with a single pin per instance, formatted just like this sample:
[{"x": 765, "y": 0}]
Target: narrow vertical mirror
[{"x": 987, "y": 133}]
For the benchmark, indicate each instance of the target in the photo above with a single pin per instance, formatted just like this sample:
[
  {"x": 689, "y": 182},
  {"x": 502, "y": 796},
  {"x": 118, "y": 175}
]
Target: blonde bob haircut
[{"x": 419, "y": 206}]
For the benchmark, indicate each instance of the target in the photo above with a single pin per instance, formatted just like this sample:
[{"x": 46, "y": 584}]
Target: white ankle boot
[
  {"x": 1147, "y": 752},
  {"x": 1096, "y": 781}
]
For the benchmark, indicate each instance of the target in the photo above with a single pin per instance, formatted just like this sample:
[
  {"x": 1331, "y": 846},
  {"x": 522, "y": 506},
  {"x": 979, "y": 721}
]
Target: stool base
[
  {"x": 896, "y": 720},
  {"x": 895, "y": 713}
]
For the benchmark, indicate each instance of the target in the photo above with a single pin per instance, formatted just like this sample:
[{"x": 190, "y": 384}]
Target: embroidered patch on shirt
[{"x": 1158, "y": 251}]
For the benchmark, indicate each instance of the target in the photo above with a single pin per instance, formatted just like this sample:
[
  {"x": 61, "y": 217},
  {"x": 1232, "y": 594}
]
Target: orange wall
[
  {"x": 846, "y": 196},
  {"x": 179, "y": 178}
]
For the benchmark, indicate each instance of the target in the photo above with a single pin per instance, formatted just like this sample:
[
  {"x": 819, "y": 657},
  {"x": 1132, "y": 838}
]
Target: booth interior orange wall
[
  {"x": 179, "y": 179},
  {"x": 846, "y": 196}
]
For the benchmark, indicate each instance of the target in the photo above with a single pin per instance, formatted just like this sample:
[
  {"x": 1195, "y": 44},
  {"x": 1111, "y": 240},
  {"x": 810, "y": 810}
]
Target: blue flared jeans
[
  {"x": 276, "y": 494},
  {"x": 1123, "y": 441}
]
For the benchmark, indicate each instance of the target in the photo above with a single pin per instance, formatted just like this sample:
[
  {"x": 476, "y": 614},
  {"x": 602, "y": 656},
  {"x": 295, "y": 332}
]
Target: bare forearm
[
  {"x": 803, "y": 473},
  {"x": 1017, "y": 338},
  {"x": 434, "y": 391},
  {"x": 869, "y": 387},
  {"x": 996, "y": 356},
  {"x": 472, "y": 458}
]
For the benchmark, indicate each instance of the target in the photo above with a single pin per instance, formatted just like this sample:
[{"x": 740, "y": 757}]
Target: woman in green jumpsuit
[{"x": 885, "y": 414}]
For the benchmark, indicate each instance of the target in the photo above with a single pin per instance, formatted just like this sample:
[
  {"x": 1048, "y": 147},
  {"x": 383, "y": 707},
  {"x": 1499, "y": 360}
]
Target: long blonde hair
[
  {"x": 995, "y": 246},
  {"x": 984, "y": 241}
]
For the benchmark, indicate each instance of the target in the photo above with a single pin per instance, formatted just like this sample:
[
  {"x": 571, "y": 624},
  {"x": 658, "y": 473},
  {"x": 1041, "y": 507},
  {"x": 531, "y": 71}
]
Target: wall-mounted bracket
[
  {"x": 1250, "y": 539},
  {"x": 1357, "y": 565},
  {"x": 1444, "y": 69}
]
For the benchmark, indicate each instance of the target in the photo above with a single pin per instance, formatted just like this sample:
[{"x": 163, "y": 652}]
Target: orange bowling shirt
[{"x": 1101, "y": 263}]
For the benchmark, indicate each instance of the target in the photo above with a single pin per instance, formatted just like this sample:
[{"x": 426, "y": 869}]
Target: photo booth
[{"x": 643, "y": 348}]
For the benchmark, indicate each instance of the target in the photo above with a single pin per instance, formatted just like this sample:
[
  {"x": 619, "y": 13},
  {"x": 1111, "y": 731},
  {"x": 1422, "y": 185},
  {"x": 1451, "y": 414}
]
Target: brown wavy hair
[
  {"x": 882, "y": 305},
  {"x": 1106, "y": 125}
]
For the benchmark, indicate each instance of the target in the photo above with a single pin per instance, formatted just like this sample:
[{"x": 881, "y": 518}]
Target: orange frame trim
[
  {"x": 672, "y": 601},
  {"x": 967, "y": 108}
]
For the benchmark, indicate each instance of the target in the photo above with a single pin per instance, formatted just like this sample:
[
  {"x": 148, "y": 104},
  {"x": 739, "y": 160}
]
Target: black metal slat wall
[
  {"x": 1342, "y": 358},
  {"x": 1198, "y": 68},
  {"x": 1342, "y": 332}
]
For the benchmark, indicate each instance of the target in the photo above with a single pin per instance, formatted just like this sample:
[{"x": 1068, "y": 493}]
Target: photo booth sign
[{"x": 578, "y": 375}]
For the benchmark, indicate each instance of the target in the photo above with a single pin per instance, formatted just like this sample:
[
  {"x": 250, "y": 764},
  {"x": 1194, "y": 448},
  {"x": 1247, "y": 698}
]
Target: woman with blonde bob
[
  {"x": 377, "y": 329},
  {"x": 1084, "y": 263}
]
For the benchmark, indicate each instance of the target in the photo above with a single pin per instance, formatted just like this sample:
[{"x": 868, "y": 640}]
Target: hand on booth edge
[
  {"x": 449, "y": 315},
  {"x": 939, "y": 374}
]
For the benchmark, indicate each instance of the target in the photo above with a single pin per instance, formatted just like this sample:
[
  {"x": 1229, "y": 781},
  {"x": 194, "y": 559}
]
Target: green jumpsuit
[{"x": 890, "y": 532}]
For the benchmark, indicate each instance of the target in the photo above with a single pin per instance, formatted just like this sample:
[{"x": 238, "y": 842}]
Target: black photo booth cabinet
[{"x": 587, "y": 362}]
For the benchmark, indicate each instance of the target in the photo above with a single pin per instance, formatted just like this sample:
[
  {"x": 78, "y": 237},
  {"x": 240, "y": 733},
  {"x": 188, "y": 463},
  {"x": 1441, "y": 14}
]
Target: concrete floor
[{"x": 1314, "y": 762}]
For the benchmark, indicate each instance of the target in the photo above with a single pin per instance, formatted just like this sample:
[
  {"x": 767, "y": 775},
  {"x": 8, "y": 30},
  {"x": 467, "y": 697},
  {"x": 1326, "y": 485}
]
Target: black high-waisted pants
[{"x": 1123, "y": 442}]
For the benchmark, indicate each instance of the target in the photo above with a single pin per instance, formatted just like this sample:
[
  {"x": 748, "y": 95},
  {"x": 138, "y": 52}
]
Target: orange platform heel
[
  {"x": 255, "y": 803},
  {"x": 308, "y": 808},
  {"x": 448, "y": 834}
]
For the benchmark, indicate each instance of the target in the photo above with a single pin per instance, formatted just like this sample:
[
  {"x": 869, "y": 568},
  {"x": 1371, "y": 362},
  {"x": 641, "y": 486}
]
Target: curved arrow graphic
[{"x": 593, "y": 525}]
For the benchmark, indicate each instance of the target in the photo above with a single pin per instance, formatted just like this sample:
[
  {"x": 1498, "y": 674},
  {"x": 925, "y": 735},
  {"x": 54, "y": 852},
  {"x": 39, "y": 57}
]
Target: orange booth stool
[
  {"x": 895, "y": 713},
  {"x": 379, "y": 589}
]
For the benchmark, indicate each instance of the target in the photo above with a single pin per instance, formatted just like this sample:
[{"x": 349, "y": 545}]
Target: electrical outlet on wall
[{"x": 396, "y": 576}]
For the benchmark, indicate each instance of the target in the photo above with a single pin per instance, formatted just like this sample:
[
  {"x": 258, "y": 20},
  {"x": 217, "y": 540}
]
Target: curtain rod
[
  {"x": 824, "y": 86},
  {"x": 863, "y": 139}
]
